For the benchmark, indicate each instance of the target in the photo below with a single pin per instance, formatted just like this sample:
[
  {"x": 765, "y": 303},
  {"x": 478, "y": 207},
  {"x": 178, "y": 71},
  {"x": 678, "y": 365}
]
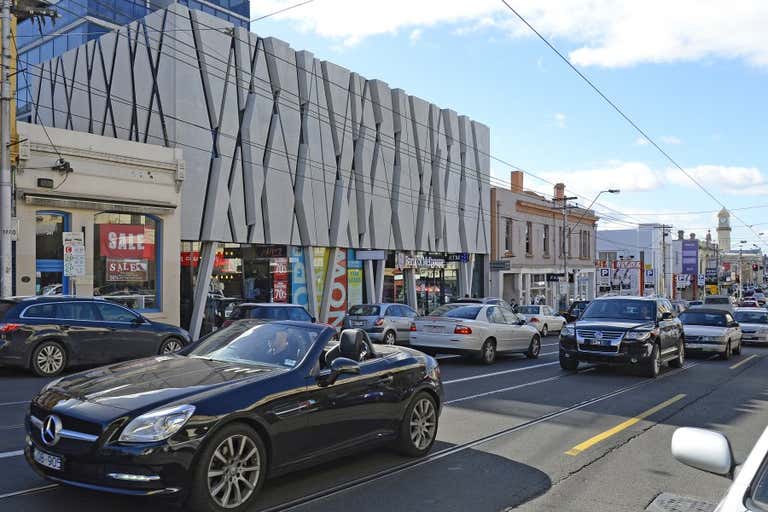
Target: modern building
[
  {"x": 304, "y": 182},
  {"x": 635, "y": 261},
  {"x": 529, "y": 261},
  {"x": 122, "y": 198},
  {"x": 81, "y": 21}
]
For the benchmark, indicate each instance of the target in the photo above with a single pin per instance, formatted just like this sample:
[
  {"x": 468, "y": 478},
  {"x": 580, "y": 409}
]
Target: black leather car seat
[{"x": 351, "y": 344}]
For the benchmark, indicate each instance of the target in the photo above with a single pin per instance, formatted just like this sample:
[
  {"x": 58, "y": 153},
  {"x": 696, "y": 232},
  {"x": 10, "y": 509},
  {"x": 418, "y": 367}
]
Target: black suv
[
  {"x": 633, "y": 331},
  {"x": 47, "y": 334}
]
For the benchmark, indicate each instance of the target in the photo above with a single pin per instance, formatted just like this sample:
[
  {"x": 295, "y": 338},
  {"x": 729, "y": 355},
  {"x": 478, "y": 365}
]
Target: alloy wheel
[
  {"x": 50, "y": 359},
  {"x": 234, "y": 471},
  {"x": 171, "y": 346},
  {"x": 544, "y": 331},
  {"x": 535, "y": 348},
  {"x": 389, "y": 338},
  {"x": 423, "y": 424},
  {"x": 657, "y": 363},
  {"x": 489, "y": 352}
]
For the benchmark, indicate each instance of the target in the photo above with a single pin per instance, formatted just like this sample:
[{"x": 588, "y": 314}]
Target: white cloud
[
  {"x": 747, "y": 181},
  {"x": 625, "y": 176},
  {"x": 560, "y": 120},
  {"x": 641, "y": 141},
  {"x": 415, "y": 35},
  {"x": 607, "y": 33},
  {"x": 671, "y": 139}
]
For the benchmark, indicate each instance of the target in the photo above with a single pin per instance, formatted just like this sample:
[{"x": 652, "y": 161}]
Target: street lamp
[{"x": 741, "y": 271}]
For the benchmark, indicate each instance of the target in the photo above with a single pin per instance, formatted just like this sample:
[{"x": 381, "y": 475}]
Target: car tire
[
  {"x": 534, "y": 349},
  {"x": 205, "y": 493},
  {"x": 727, "y": 353},
  {"x": 418, "y": 430},
  {"x": 488, "y": 352},
  {"x": 170, "y": 345},
  {"x": 679, "y": 361},
  {"x": 544, "y": 331},
  {"x": 390, "y": 338},
  {"x": 737, "y": 350},
  {"x": 48, "y": 359},
  {"x": 569, "y": 365},
  {"x": 652, "y": 367}
]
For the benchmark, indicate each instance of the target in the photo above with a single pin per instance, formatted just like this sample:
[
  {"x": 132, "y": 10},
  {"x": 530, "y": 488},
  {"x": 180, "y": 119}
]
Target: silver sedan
[{"x": 475, "y": 329}]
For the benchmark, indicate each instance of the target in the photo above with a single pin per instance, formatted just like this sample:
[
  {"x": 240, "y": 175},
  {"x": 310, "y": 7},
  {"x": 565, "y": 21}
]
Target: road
[{"x": 520, "y": 434}]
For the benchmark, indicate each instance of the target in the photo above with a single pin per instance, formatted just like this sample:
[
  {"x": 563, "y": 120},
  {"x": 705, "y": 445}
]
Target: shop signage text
[
  {"x": 690, "y": 249},
  {"x": 126, "y": 270},
  {"x": 74, "y": 253},
  {"x": 500, "y": 265},
  {"x": 338, "y": 303},
  {"x": 125, "y": 241},
  {"x": 405, "y": 261}
]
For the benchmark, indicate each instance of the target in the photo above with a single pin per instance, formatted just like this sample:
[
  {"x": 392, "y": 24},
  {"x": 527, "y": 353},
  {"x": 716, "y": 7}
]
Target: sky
[{"x": 693, "y": 74}]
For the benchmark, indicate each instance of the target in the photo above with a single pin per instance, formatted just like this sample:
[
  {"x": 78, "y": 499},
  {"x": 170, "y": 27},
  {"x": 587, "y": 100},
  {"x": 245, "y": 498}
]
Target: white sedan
[
  {"x": 711, "y": 330},
  {"x": 711, "y": 451},
  {"x": 480, "y": 330},
  {"x": 754, "y": 324},
  {"x": 543, "y": 318}
]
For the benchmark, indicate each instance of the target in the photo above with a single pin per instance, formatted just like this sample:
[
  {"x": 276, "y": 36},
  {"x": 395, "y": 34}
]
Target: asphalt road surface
[{"x": 521, "y": 434}]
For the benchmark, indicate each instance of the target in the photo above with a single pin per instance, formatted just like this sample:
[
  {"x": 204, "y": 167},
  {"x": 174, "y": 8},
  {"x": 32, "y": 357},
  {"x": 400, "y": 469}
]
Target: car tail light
[
  {"x": 462, "y": 329},
  {"x": 379, "y": 322},
  {"x": 6, "y": 328},
  {"x": 413, "y": 327},
  {"x": 534, "y": 319}
]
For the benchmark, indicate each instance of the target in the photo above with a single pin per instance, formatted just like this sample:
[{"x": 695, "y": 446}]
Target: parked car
[
  {"x": 484, "y": 300},
  {"x": 384, "y": 323},
  {"x": 760, "y": 296},
  {"x": 723, "y": 302},
  {"x": 48, "y": 334},
  {"x": 475, "y": 329},
  {"x": 53, "y": 289},
  {"x": 625, "y": 331},
  {"x": 211, "y": 423},
  {"x": 753, "y": 323},
  {"x": 575, "y": 310},
  {"x": 270, "y": 311},
  {"x": 543, "y": 318},
  {"x": 711, "y": 452},
  {"x": 678, "y": 306},
  {"x": 695, "y": 303},
  {"x": 749, "y": 302},
  {"x": 711, "y": 330}
]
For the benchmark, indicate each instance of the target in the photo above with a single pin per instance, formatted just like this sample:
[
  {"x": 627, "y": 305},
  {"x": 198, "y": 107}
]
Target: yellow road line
[
  {"x": 621, "y": 426},
  {"x": 743, "y": 362}
]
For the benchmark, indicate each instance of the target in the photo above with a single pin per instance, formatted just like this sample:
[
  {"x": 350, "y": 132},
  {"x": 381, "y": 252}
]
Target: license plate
[
  {"x": 359, "y": 323},
  {"x": 435, "y": 328},
  {"x": 47, "y": 460}
]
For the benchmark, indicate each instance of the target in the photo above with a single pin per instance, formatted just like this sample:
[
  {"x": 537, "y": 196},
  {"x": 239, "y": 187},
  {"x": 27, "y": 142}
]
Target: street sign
[
  {"x": 500, "y": 265},
  {"x": 74, "y": 253},
  {"x": 554, "y": 278},
  {"x": 701, "y": 279}
]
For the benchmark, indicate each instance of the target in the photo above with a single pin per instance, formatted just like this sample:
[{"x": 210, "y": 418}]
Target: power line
[{"x": 619, "y": 110}]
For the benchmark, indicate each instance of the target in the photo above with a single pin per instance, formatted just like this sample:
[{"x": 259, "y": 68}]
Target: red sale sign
[
  {"x": 279, "y": 269},
  {"x": 126, "y": 241}
]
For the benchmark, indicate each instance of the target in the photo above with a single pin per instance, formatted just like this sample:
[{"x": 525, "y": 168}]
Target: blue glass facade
[{"x": 80, "y": 21}]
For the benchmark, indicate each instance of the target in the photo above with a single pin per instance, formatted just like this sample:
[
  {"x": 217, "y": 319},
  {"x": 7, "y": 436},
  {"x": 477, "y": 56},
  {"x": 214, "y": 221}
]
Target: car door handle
[
  {"x": 64, "y": 327},
  {"x": 387, "y": 379}
]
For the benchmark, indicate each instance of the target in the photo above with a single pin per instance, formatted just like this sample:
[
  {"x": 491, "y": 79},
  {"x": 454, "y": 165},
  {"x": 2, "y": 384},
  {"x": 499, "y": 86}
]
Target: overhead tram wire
[{"x": 621, "y": 112}]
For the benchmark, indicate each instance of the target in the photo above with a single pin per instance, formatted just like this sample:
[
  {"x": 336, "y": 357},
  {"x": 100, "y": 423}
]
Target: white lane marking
[
  {"x": 513, "y": 388},
  {"x": 503, "y": 372},
  {"x": 6, "y": 455},
  {"x": 28, "y": 491},
  {"x": 440, "y": 358},
  {"x": 14, "y": 403}
]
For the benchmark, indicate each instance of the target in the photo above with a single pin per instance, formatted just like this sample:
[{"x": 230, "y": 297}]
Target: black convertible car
[{"x": 253, "y": 400}]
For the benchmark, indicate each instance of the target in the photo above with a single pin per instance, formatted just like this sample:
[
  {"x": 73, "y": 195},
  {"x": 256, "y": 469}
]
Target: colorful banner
[
  {"x": 338, "y": 302},
  {"x": 690, "y": 256},
  {"x": 126, "y": 241},
  {"x": 192, "y": 259},
  {"x": 298, "y": 277},
  {"x": 354, "y": 278},
  {"x": 320, "y": 262},
  {"x": 126, "y": 270},
  {"x": 279, "y": 269}
]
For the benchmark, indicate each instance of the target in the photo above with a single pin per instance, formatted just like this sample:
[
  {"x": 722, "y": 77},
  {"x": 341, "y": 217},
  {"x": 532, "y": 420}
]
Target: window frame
[
  {"x": 545, "y": 240},
  {"x": 96, "y": 304},
  {"x": 509, "y": 238},
  {"x": 528, "y": 238}
]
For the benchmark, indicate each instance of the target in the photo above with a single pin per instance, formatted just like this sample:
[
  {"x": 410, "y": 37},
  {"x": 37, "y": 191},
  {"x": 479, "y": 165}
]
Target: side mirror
[
  {"x": 521, "y": 322},
  {"x": 735, "y": 324},
  {"x": 667, "y": 315},
  {"x": 703, "y": 449},
  {"x": 339, "y": 366},
  {"x": 139, "y": 320},
  {"x": 313, "y": 319}
]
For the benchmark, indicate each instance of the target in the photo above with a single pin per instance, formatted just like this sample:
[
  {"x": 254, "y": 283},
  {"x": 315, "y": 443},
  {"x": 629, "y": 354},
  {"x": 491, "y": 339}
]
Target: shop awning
[{"x": 94, "y": 202}]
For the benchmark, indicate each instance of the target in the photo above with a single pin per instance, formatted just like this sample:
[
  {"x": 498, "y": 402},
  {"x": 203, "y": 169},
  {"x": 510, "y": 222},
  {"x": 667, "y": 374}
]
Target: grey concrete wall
[{"x": 280, "y": 147}]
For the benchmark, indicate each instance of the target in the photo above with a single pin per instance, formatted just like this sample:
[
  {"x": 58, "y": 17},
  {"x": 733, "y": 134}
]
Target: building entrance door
[{"x": 49, "y": 253}]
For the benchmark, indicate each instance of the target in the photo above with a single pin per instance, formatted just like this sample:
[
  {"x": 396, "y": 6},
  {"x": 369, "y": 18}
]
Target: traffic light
[{"x": 755, "y": 266}]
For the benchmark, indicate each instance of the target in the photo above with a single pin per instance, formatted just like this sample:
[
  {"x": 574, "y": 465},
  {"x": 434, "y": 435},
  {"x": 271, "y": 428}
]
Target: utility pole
[
  {"x": 664, "y": 228},
  {"x": 566, "y": 237},
  {"x": 6, "y": 256}
]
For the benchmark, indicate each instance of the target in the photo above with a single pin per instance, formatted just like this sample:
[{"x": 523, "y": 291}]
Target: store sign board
[
  {"x": 500, "y": 265},
  {"x": 126, "y": 270},
  {"x": 298, "y": 277},
  {"x": 338, "y": 303},
  {"x": 279, "y": 270},
  {"x": 126, "y": 241},
  {"x": 192, "y": 259},
  {"x": 554, "y": 278},
  {"x": 370, "y": 255},
  {"x": 355, "y": 285},
  {"x": 690, "y": 256},
  {"x": 461, "y": 257},
  {"x": 74, "y": 253},
  {"x": 405, "y": 261}
]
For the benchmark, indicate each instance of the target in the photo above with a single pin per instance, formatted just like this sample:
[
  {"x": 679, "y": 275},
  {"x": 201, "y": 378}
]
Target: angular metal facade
[{"x": 280, "y": 147}]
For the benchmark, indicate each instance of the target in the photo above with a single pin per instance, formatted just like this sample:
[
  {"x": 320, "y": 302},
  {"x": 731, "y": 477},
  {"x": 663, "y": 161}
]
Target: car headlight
[
  {"x": 712, "y": 338},
  {"x": 157, "y": 425},
  {"x": 569, "y": 330},
  {"x": 637, "y": 335}
]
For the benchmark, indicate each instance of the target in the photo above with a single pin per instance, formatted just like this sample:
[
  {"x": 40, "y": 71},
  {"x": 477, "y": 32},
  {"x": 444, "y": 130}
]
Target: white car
[
  {"x": 711, "y": 330},
  {"x": 481, "y": 330},
  {"x": 711, "y": 451},
  {"x": 754, "y": 324},
  {"x": 543, "y": 318},
  {"x": 724, "y": 302}
]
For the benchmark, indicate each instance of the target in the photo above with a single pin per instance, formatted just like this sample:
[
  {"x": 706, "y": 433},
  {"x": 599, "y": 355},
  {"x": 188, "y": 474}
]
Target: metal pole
[
  {"x": 6, "y": 286},
  {"x": 664, "y": 260}
]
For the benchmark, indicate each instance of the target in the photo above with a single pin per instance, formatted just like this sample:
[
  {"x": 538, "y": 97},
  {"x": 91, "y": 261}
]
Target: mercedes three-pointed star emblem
[{"x": 50, "y": 430}]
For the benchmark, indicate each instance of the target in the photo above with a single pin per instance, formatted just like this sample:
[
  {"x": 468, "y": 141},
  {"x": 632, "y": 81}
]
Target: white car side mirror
[{"x": 703, "y": 449}]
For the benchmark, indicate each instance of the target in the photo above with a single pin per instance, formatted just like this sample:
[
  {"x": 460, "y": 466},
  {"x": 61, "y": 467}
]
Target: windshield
[
  {"x": 262, "y": 344},
  {"x": 701, "y": 318},
  {"x": 266, "y": 313},
  {"x": 465, "y": 312},
  {"x": 444, "y": 308},
  {"x": 717, "y": 300},
  {"x": 621, "y": 309},
  {"x": 528, "y": 310},
  {"x": 752, "y": 317},
  {"x": 364, "y": 310}
]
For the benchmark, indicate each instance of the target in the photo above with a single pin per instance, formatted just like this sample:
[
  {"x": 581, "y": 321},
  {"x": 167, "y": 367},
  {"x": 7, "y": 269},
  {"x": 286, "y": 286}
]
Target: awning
[{"x": 94, "y": 202}]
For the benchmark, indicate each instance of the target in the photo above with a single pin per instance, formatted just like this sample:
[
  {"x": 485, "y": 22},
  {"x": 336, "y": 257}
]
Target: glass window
[
  {"x": 546, "y": 240},
  {"x": 125, "y": 265},
  {"x": 528, "y": 234},
  {"x": 465, "y": 312},
  {"x": 364, "y": 310},
  {"x": 495, "y": 316},
  {"x": 112, "y": 313},
  {"x": 752, "y": 317},
  {"x": 509, "y": 316},
  {"x": 41, "y": 311},
  {"x": 299, "y": 315},
  {"x": 628, "y": 309},
  {"x": 528, "y": 310},
  {"x": 508, "y": 239},
  {"x": 75, "y": 311},
  {"x": 48, "y": 237}
]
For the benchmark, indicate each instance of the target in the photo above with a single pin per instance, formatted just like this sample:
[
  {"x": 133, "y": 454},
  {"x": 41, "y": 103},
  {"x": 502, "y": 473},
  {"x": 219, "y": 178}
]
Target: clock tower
[{"x": 724, "y": 230}]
